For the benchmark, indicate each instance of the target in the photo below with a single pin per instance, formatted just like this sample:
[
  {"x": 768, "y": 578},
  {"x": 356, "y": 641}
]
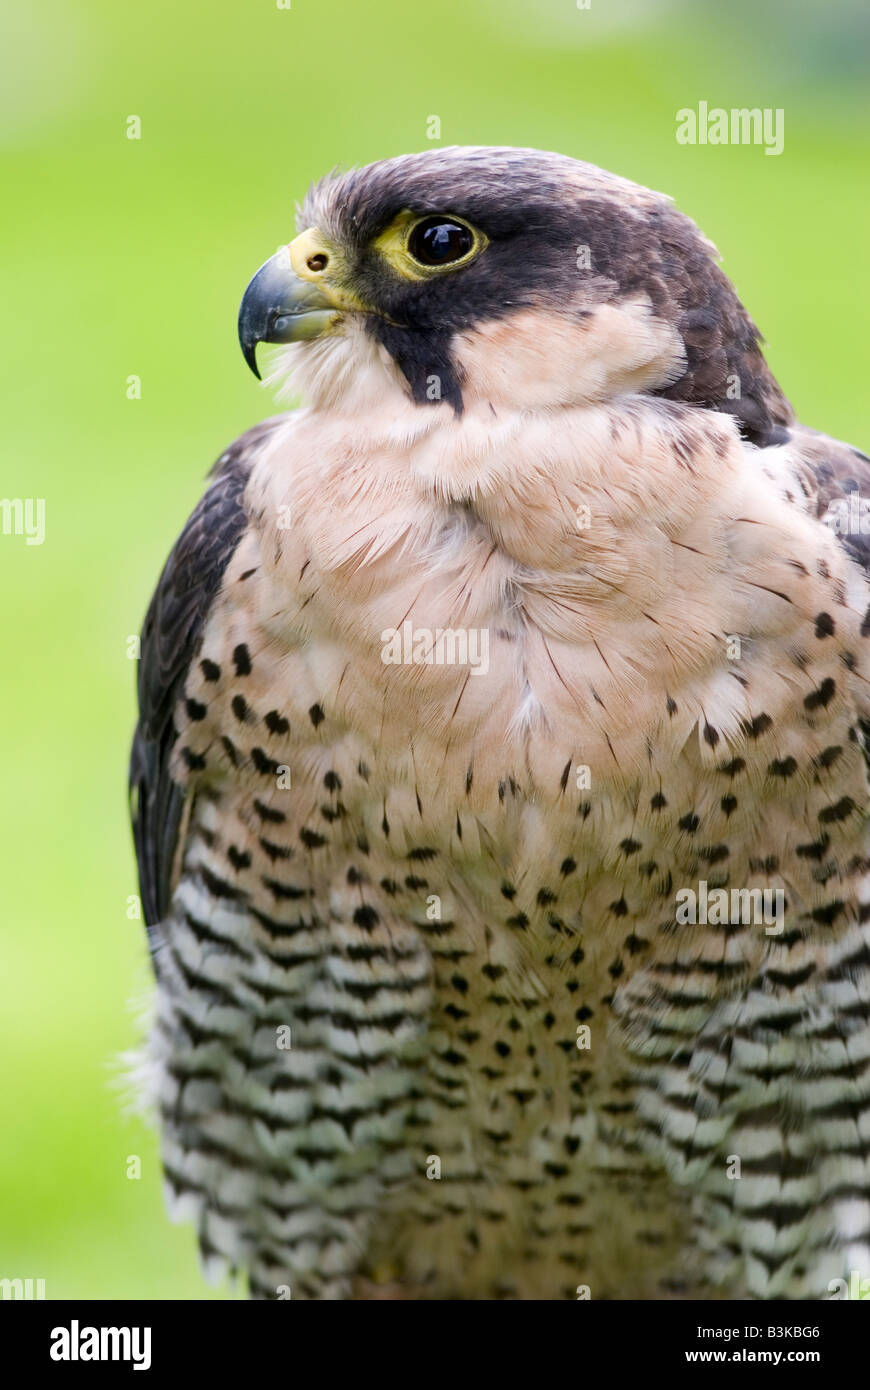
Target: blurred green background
[{"x": 122, "y": 257}]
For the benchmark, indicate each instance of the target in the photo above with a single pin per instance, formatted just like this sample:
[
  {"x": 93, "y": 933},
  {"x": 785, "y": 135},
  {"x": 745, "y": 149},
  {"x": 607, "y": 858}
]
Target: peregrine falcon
[{"x": 499, "y": 787}]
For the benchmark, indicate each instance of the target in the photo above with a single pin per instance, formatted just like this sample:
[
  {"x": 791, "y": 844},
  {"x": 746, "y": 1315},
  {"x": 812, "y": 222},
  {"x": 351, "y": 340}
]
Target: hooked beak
[{"x": 279, "y": 306}]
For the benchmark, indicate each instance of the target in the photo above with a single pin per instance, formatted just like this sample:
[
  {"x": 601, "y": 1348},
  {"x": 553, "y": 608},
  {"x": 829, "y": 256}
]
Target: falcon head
[{"x": 511, "y": 276}]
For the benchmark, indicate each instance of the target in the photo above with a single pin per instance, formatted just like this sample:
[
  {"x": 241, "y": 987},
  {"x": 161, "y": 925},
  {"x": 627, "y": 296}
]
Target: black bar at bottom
[{"x": 257, "y": 1339}]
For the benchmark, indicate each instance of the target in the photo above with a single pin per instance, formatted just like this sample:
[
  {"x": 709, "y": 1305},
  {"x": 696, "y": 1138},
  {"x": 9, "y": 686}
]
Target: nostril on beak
[{"x": 318, "y": 262}]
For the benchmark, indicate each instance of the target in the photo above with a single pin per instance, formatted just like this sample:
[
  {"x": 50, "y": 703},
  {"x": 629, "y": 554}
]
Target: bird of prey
[{"x": 499, "y": 786}]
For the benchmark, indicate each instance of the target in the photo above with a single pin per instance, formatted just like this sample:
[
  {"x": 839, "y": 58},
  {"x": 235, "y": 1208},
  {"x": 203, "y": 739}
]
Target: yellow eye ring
[{"x": 411, "y": 236}]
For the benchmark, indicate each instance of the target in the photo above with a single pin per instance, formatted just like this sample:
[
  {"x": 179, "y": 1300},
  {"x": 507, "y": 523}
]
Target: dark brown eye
[{"x": 438, "y": 241}]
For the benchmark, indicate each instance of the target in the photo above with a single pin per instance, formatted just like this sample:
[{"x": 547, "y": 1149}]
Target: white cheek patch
[
  {"x": 344, "y": 370},
  {"x": 536, "y": 358},
  {"x": 533, "y": 359}
]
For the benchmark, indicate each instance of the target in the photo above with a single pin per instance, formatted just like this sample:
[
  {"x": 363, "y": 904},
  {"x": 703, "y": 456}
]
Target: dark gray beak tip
[
  {"x": 254, "y": 316},
  {"x": 249, "y": 352},
  {"x": 255, "y": 312}
]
